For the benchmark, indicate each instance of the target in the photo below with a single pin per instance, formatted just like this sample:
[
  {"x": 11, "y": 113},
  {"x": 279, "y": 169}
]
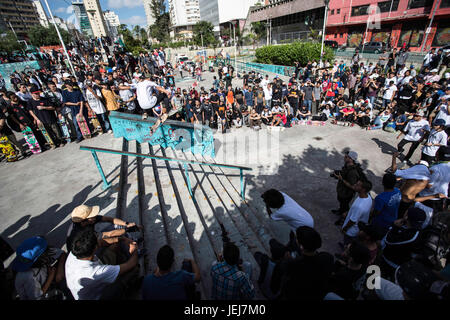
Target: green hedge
[{"x": 286, "y": 55}]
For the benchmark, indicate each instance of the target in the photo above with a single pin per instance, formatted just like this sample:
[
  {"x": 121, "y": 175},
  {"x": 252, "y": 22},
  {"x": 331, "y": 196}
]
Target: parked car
[
  {"x": 331, "y": 43},
  {"x": 182, "y": 59},
  {"x": 373, "y": 46}
]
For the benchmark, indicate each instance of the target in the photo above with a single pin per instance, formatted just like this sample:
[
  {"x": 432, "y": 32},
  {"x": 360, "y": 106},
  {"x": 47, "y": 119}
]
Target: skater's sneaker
[
  {"x": 144, "y": 116},
  {"x": 109, "y": 131}
]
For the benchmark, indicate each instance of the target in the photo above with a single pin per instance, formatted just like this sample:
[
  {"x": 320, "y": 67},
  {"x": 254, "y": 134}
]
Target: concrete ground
[{"x": 37, "y": 194}]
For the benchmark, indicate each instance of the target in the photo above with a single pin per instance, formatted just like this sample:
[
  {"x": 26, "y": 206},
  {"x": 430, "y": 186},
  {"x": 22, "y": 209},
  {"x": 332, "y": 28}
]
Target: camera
[{"x": 335, "y": 173}]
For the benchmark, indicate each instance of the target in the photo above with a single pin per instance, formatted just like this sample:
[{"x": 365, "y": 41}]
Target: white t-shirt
[
  {"x": 277, "y": 109},
  {"x": 443, "y": 114},
  {"x": 417, "y": 172},
  {"x": 416, "y": 129},
  {"x": 95, "y": 104},
  {"x": 435, "y": 137},
  {"x": 267, "y": 93},
  {"x": 440, "y": 178},
  {"x": 359, "y": 211},
  {"x": 87, "y": 279},
  {"x": 293, "y": 214},
  {"x": 144, "y": 91},
  {"x": 126, "y": 95},
  {"x": 390, "y": 92}
]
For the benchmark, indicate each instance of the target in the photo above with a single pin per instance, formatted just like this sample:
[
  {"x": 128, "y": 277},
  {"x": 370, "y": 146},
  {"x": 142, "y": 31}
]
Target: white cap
[
  {"x": 353, "y": 155},
  {"x": 66, "y": 75},
  {"x": 434, "y": 70}
]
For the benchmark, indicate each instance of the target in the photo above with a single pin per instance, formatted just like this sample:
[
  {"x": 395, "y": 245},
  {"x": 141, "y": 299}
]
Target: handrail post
[
  {"x": 186, "y": 173},
  {"x": 106, "y": 185},
  {"x": 242, "y": 185}
]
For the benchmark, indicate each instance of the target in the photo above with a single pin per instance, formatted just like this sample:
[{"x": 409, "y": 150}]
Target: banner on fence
[
  {"x": 8, "y": 68},
  {"x": 178, "y": 135}
]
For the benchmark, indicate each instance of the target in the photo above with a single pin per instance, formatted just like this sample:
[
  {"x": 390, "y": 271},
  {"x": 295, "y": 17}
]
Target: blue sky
[{"x": 130, "y": 12}]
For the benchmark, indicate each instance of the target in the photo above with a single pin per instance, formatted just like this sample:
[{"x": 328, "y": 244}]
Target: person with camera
[
  {"x": 351, "y": 172},
  {"x": 90, "y": 279},
  {"x": 40, "y": 270},
  {"x": 231, "y": 276}
]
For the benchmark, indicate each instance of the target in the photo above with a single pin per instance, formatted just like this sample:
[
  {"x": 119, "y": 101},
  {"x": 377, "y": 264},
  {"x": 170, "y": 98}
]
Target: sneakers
[
  {"x": 144, "y": 116},
  {"x": 109, "y": 131}
]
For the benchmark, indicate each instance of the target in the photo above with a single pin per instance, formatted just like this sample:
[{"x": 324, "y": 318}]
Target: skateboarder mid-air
[{"x": 150, "y": 95}]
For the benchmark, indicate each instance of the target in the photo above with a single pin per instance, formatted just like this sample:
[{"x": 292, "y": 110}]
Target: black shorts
[{"x": 164, "y": 101}]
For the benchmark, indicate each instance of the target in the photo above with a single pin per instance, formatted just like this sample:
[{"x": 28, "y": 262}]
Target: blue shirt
[
  {"x": 387, "y": 204},
  {"x": 75, "y": 96},
  {"x": 171, "y": 286},
  {"x": 248, "y": 97}
]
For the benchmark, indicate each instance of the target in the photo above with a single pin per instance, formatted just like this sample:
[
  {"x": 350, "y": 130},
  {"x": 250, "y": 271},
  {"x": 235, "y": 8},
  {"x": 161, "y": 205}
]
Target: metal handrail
[{"x": 185, "y": 162}]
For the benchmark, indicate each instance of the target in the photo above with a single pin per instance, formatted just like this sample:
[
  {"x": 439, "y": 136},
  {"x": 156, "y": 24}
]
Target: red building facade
[{"x": 400, "y": 22}]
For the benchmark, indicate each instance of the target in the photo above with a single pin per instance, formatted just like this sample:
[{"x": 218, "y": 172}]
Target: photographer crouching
[{"x": 350, "y": 172}]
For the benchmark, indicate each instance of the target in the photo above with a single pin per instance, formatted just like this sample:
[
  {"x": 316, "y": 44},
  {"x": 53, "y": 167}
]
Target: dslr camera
[{"x": 335, "y": 173}]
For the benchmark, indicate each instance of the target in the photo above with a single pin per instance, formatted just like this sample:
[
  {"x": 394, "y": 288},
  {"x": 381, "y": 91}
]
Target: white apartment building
[
  {"x": 96, "y": 18},
  {"x": 222, "y": 11},
  {"x": 184, "y": 14},
  {"x": 112, "y": 23},
  {"x": 43, "y": 19},
  {"x": 148, "y": 12}
]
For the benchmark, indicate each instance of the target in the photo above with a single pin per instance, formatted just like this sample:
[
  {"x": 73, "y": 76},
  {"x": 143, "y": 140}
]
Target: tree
[
  {"x": 259, "y": 29},
  {"x": 9, "y": 43},
  {"x": 205, "y": 30},
  {"x": 160, "y": 29},
  {"x": 47, "y": 36}
]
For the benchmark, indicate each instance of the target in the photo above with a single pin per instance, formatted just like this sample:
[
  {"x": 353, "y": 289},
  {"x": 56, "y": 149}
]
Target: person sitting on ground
[
  {"x": 255, "y": 120},
  {"x": 165, "y": 284},
  {"x": 272, "y": 269},
  {"x": 266, "y": 116},
  {"x": 279, "y": 116},
  {"x": 381, "y": 120},
  {"x": 231, "y": 278},
  {"x": 344, "y": 279},
  {"x": 89, "y": 279},
  {"x": 303, "y": 113},
  {"x": 308, "y": 275},
  {"x": 40, "y": 269},
  {"x": 86, "y": 217}
]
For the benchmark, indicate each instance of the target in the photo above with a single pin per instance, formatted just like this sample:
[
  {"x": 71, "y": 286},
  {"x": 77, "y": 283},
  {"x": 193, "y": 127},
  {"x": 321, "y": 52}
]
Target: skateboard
[
  {"x": 46, "y": 136},
  {"x": 7, "y": 149},
  {"x": 65, "y": 130},
  {"x": 94, "y": 121},
  {"x": 32, "y": 143},
  {"x": 83, "y": 127}
]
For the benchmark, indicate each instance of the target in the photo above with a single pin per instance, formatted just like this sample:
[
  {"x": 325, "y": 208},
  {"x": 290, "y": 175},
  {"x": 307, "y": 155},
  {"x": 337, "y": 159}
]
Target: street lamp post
[
  {"x": 323, "y": 30},
  {"x": 235, "y": 52},
  {"x": 61, "y": 40}
]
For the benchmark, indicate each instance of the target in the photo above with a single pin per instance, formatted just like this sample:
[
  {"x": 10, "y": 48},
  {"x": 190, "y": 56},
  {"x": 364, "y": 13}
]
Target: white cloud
[
  {"x": 60, "y": 10},
  {"x": 118, "y": 4},
  {"x": 134, "y": 20}
]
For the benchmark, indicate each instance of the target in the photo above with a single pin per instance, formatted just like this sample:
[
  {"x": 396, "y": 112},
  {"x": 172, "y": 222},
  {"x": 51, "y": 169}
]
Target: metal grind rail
[{"x": 107, "y": 185}]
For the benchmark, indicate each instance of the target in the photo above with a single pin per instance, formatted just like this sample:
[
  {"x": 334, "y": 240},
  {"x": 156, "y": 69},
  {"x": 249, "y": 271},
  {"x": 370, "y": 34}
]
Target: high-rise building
[
  {"x": 43, "y": 19},
  {"x": 112, "y": 23},
  {"x": 223, "y": 11},
  {"x": 148, "y": 12},
  {"x": 82, "y": 18},
  {"x": 96, "y": 18},
  {"x": 18, "y": 16},
  {"x": 184, "y": 14}
]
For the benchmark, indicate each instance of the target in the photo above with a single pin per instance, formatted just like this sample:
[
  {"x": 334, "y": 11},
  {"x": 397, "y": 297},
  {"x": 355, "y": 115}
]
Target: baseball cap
[
  {"x": 425, "y": 163},
  {"x": 352, "y": 155},
  {"x": 66, "y": 75},
  {"x": 28, "y": 252},
  {"x": 416, "y": 280},
  {"x": 420, "y": 113},
  {"x": 434, "y": 70},
  {"x": 83, "y": 212},
  {"x": 416, "y": 217},
  {"x": 34, "y": 89},
  {"x": 439, "y": 122}
]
